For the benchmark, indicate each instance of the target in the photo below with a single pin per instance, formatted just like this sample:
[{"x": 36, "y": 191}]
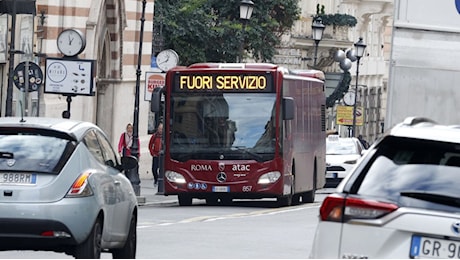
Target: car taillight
[
  {"x": 338, "y": 208},
  {"x": 80, "y": 187},
  {"x": 52, "y": 233}
]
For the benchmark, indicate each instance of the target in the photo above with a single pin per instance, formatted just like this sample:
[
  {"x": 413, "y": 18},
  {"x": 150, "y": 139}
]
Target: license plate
[
  {"x": 428, "y": 247},
  {"x": 18, "y": 178},
  {"x": 221, "y": 189}
]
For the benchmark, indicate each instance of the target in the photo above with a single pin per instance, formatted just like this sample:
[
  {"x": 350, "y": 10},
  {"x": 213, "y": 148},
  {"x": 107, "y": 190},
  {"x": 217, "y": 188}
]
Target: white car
[
  {"x": 341, "y": 156},
  {"x": 402, "y": 200}
]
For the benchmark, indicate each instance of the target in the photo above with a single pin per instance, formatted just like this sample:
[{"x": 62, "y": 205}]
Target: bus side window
[{"x": 288, "y": 108}]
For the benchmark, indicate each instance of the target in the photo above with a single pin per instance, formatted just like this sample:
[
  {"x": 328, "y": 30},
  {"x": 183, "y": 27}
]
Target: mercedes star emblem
[{"x": 221, "y": 177}]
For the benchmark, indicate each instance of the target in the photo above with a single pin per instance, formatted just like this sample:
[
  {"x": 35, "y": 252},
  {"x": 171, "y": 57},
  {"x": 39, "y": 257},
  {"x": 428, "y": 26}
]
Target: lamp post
[
  {"x": 134, "y": 173},
  {"x": 246, "y": 8},
  {"x": 317, "y": 29},
  {"x": 9, "y": 88},
  {"x": 359, "y": 52}
]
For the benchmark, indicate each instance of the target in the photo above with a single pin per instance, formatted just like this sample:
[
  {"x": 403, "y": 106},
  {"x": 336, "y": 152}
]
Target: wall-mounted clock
[
  {"x": 71, "y": 42},
  {"x": 349, "y": 99},
  {"x": 167, "y": 59}
]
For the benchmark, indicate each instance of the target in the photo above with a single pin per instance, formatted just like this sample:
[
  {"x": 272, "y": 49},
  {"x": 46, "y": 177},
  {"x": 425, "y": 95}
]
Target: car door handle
[{"x": 117, "y": 182}]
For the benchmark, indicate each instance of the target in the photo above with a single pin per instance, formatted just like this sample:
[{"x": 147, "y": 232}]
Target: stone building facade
[
  {"x": 112, "y": 32},
  {"x": 374, "y": 21}
]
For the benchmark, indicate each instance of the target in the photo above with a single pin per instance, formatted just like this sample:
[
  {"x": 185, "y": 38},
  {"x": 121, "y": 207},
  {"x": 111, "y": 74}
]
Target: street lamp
[
  {"x": 246, "y": 8},
  {"x": 134, "y": 173},
  {"x": 359, "y": 52},
  {"x": 317, "y": 29}
]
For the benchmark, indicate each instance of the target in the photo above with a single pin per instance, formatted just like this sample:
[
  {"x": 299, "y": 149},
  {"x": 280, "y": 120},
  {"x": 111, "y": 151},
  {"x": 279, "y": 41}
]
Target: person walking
[
  {"x": 124, "y": 149},
  {"x": 154, "y": 148},
  {"x": 126, "y": 141}
]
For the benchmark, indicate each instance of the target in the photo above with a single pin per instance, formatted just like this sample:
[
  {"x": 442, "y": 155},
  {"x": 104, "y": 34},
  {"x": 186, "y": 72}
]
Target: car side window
[
  {"x": 109, "y": 154},
  {"x": 92, "y": 143}
]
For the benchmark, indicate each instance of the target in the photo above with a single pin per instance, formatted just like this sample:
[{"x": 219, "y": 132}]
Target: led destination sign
[{"x": 223, "y": 82}]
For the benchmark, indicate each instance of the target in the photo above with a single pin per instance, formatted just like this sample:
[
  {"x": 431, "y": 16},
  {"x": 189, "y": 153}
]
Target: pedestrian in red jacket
[{"x": 154, "y": 148}]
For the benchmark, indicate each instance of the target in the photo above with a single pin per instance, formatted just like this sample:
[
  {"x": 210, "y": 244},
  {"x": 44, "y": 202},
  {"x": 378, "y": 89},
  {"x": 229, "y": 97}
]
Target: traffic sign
[
  {"x": 35, "y": 76},
  {"x": 344, "y": 115}
]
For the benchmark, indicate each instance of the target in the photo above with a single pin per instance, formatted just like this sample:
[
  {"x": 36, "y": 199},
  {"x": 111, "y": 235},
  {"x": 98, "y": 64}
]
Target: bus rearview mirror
[{"x": 155, "y": 100}]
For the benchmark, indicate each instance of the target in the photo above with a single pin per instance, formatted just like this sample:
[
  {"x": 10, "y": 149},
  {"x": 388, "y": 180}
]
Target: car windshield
[
  {"x": 31, "y": 152},
  {"x": 239, "y": 125},
  {"x": 342, "y": 146},
  {"x": 413, "y": 172}
]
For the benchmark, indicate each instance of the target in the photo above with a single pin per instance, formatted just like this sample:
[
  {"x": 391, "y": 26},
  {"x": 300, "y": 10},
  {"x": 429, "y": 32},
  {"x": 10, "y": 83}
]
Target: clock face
[
  {"x": 167, "y": 60},
  {"x": 349, "y": 99},
  {"x": 71, "y": 42}
]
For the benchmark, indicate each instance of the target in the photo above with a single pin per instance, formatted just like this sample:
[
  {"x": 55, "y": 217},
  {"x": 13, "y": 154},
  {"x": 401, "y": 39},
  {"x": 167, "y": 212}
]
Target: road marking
[{"x": 256, "y": 213}]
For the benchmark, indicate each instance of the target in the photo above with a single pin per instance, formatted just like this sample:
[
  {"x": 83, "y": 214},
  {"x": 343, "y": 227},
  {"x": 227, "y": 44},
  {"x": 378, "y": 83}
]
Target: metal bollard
[
  {"x": 161, "y": 174},
  {"x": 133, "y": 176}
]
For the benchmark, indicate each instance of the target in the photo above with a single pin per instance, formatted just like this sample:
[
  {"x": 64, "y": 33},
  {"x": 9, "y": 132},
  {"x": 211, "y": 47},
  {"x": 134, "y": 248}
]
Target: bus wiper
[
  {"x": 243, "y": 149},
  {"x": 432, "y": 197}
]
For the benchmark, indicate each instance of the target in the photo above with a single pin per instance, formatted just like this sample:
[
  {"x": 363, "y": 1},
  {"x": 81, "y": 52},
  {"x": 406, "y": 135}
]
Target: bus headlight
[
  {"x": 269, "y": 177},
  {"x": 174, "y": 177}
]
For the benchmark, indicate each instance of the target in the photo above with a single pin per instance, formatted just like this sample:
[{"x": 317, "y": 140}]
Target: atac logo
[
  {"x": 201, "y": 168},
  {"x": 241, "y": 168}
]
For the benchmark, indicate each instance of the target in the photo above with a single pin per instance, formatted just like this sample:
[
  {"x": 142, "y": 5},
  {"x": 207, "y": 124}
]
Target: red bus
[{"x": 242, "y": 131}]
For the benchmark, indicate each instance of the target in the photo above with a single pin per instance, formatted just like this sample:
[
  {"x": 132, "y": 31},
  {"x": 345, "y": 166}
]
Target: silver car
[{"x": 62, "y": 189}]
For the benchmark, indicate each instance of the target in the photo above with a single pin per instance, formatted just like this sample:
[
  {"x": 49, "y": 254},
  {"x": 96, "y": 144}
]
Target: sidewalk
[{"x": 149, "y": 195}]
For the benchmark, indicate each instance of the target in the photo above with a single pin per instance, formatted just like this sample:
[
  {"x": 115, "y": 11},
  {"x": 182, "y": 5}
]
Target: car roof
[
  {"x": 427, "y": 129},
  {"x": 72, "y": 128}
]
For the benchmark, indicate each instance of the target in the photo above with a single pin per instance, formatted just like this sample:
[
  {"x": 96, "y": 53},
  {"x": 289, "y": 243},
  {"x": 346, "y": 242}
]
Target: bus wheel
[
  {"x": 295, "y": 199},
  {"x": 309, "y": 196},
  {"x": 184, "y": 200},
  {"x": 284, "y": 201},
  {"x": 226, "y": 200},
  {"x": 212, "y": 201}
]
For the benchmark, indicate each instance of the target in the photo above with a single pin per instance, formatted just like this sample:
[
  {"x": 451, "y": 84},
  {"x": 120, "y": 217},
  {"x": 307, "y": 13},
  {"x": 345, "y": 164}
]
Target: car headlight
[
  {"x": 174, "y": 177},
  {"x": 269, "y": 177}
]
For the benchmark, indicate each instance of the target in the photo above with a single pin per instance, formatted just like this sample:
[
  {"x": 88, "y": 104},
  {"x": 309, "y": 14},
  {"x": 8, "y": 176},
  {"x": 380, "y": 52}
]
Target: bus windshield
[{"x": 222, "y": 126}]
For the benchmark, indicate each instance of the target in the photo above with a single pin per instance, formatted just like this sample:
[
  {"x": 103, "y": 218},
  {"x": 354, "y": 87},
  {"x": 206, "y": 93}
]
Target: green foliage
[
  {"x": 338, "y": 19},
  {"x": 210, "y": 30},
  {"x": 340, "y": 91}
]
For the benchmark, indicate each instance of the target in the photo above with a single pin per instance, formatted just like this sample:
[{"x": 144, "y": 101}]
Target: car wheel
[
  {"x": 128, "y": 251},
  {"x": 184, "y": 200},
  {"x": 91, "y": 247}
]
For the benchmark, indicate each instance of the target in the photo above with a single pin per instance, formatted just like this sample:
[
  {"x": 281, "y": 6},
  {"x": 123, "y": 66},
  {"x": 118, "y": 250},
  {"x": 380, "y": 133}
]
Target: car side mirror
[{"x": 129, "y": 162}]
